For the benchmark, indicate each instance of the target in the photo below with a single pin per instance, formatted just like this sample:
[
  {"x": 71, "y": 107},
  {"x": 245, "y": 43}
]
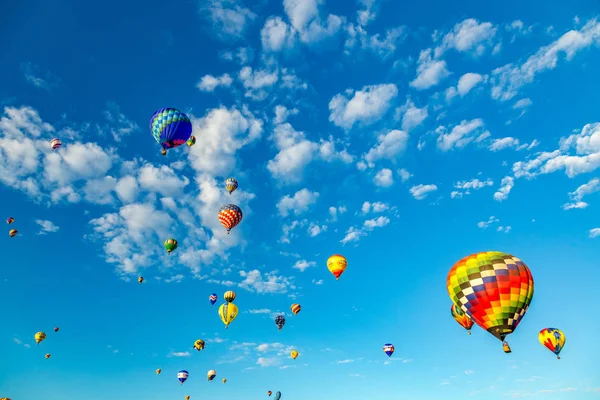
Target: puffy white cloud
[
  {"x": 594, "y": 233},
  {"x": 276, "y": 35},
  {"x": 421, "y": 191},
  {"x": 577, "y": 196},
  {"x": 46, "y": 226},
  {"x": 228, "y": 18},
  {"x": 298, "y": 203},
  {"x": 465, "y": 187},
  {"x": 384, "y": 178},
  {"x": 390, "y": 146},
  {"x": 404, "y": 174},
  {"x": 467, "y": 82},
  {"x": 461, "y": 135},
  {"x": 468, "y": 36},
  {"x": 486, "y": 224},
  {"x": 383, "y": 46},
  {"x": 365, "y": 107},
  {"x": 302, "y": 265},
  {"x": 375, "y": 207},
  {"x": 208, "y": 83},
  {"x": 412, "y": 116},
  {"x": 430, "y": 71},
  {"x": 254, "y": 281},
  {"x": 506, "y": 186}
]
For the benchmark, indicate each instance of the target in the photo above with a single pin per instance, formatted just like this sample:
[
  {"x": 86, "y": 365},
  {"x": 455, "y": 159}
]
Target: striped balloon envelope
[{"x": 296, "y": 308}]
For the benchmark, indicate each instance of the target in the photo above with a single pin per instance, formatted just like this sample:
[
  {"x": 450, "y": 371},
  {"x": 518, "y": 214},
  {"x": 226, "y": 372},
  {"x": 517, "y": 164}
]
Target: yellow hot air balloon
[
  {"x": 163, "y": 152},
  {"x": 337, "y": 264},
  {"x": 187, "y": 397},
  {"x": 13, "y": 232},
  {"x": 229, "y": 296},
  {"x": 211, "y": 374},
  {"x": 553, "y": 339},
  {"x": 199, "y": 344},
  {"x": 140, "y": 279},
  {"x": 48, "y": 356},
  {"x": 158, "y": 371},
  {"x": 228, "y": 312},
  {"x": 224, "y": 380},
  {"x": 294, "y": 354},
  {"x": 295, "y": 308},
  {"x": 39, "y": 337}
]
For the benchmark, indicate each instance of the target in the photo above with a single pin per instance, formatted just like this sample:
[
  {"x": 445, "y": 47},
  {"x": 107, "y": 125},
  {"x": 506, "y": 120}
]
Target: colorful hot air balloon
[
  {"x": 228, "y": 312},
  {"x": 493, "y": 288},
  {"x": 553, "y": 339},
  {"x": 269, "y": 393},
  {"x": 48, "y": 356},
  {"x": 170, "y": 127},
  {"x": 337, "y": 264},
  {"x": 170, "y": 245},
  {"x": 230, "y": 216},
  {"x": 213, "y": 298},
  {"x": 187, "y": 397},
  {"x": 388, "y": 349},
  {"x": 140, "y": 279},
  {"x": 56, "y": 329},
  {"x": 163, "y": 152},
  {"x": 231, "y": 185},
  {"x": 277, "y": 395},
  {"x": 223, "y": 380},
  {"x": 229, "y": 296},
  {"x": 191, "y": 141},
  {"x": 39, "y": 337},
  {"x": 10, "y": 220},
  {"x": 462, "y": 318},
  {"x": 199, "y": 344},
  {"x": 13, "y": 232},
  {"x": 295, "y": 308},
  {"x": 55, "y": 143},
  {"x": 158, "y": 371},
  {"x": 280, "y": 321},
  {"x": 182, "y": 376},
  {"x": 211, "y": 374},
  {"x": 294, "y": 354}
]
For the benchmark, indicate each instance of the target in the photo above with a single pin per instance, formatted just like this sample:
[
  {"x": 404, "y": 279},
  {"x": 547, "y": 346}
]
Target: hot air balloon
[
  {"x": 182, "y": 376},
  {"x": 337, "y": 264},
  {"x": 269, "y": 393},
  {"x": 187, "y": 397},
  {"x": 280, "y": 321},
  {"x": 229, "y": 296},
  {"x": 553, "y": 339},
  {"x": 140, "y": 279},
  {"x": 48, "y": 356},
  {"x": 294, "y": 354},
  {"x": 10, "y": 220},
  {"x": 211, "y": 374},
  {"x": 223, "y": 380},
  {"x": 199, "y": 344},
  {"x": 295, "y": 308},
  {"x": 163, "y": 152},
  {"x": 170, "y": 127},
  {"x": 56, "y": 329},
  {"x": 170, "y": 245},
  {"x": 39, "y": 337},
  {"x": 494, "y": 289},
  {"x": 213, "y": 298},
  {"x": 191, "y": 141},
  {"x": 388, "y": 349},
  {"x": 55, "y": 143},
  {"x": 13, "y": 232},
  {"x": 462, "y": 318},
  {"x": 277, "y": 395},
  {"x": 158, "y": 371},
  {"x": 231, "y": 185},
  {"x": 230, "y": 216},
  {"x": 228, "y": 312}
]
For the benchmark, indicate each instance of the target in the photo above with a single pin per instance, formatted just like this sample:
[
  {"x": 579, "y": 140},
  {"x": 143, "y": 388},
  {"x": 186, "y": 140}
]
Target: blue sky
[{"x": 402, "y": 136}]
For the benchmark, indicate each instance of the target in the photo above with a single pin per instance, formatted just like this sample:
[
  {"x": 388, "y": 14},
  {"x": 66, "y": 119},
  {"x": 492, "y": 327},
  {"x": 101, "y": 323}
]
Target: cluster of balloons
[
  {"x": 39, "y": 337},
  {"x": 494, "y": 290},
  {"x": 12, "y": 232}
]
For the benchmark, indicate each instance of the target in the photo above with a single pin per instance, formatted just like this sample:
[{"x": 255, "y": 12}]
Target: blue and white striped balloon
[
  {"x": 213, "y": 298},
  {"x": 182, "y": 376}
]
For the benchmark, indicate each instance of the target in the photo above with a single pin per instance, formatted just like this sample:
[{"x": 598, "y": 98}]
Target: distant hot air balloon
[
  {"x": 229, "y": 296},
  {"x": 213, "y": 298},
  {"x": 140, "y": 279},
  {"x": 223, "y": 380},
  {"x": 553, "y": 339},
  {"x": 191, "y": 141},
  {"x": 296, "y": 308},
  {"x": 56, "y": 329},
  {"x": 230, "y": 216},
  {"x": 337, "y": 264},
  {"x": 10, "y": 220},
  {"x": 462, "y": 318},
  {"x": 211, "y": 374},
  {"x": 388, "y": 349},
  {"x": 280, "y": 321},
  {"x": 228, "y": 312},
  {"x": 294, "y": 354},
  {"x": 55, "y": 143},
  {"x": 163, "y": 152},
  {"x": 39, "y": 337},
  {"x": 277, "y": 395},
  {"x": 199, "y": 344},
  {"x": 158, "y": 371},
  {"x": 187, "y": 397},
  {"x": 269, "y": 393},
  {"x": 170, "y": 245},
  {"x": 170, "y": 127},
  {"x": 494, "y": 289},
  {"x": 13, "y": 232},
  {"x": 231, "y": 185},
  {"x": 48, "y": 356},
  {"x": 182, "y": 376}
]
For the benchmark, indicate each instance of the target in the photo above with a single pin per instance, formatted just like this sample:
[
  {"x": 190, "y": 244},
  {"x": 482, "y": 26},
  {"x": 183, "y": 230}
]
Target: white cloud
[
  {"x": 412, "y": 116},
  {"x": 384, "y": 178},
  {"x": 430, "y": 72},
  {"x": 421, "y": 191},
  {"x": 282, "y": 113},
  {"x": 404, "y": 174},
  {"x": 179, "y": 354},
  {"x": 383, "y": 46},
  {"x": 365, "y": 107},
  {"x": 375, "y": 207},
  {"x": 390, "y": 146},
  {"x": 466, "y": 186},
  {"x": 254, "y": 281},
  {"x": 302, "y": 265},
  {"x": 505, "y": 187},
  {"x": 46, "y": 226},
  {"x": 467, "y": 82},
  {"x": 298, "y": 204},
  {"x": 460, "y": 135},
  {"x": 209, "y": 83},
  {"x": 594, "y": 233},
  {"x": 260, "y": 311},
  {"x": 378, "y": 222},
  {"x": 503, "y": 229},
  {"x": 276, "y": 35},
  {"x": 304, "y": 16},
  {"x": 317, "y": 281},
  {"x": 468, "y": 36},
  {"x": 485, "y": 224},
  {"x": 229, "y": 19},
  {"x": 120, "y": 126},
  {"x": 335, "y": 211},
  {"x": 586, "y": 189},
  {"x": 344, "y": 361}
]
